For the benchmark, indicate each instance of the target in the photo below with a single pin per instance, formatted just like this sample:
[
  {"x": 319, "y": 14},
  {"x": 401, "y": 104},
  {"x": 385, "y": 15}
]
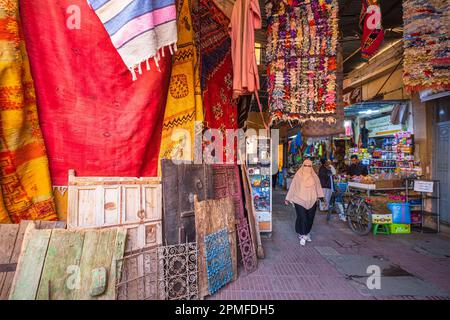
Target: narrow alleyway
[{"x": 334, "y": 265}]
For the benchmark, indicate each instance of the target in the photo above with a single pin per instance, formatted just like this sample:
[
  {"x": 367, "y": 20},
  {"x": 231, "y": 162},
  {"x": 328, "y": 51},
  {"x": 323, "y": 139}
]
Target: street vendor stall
[{"x": 380, "y": 206}]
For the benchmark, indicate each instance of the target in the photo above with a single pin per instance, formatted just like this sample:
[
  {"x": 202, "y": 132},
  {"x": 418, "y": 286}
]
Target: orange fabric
[
  {"x": 246, "y": 17},
  {"x": 25, "y": 185}
]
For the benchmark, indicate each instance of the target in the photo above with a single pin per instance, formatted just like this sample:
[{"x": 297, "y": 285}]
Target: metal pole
[
  {"x": 421, "y": 212},
  {"x": 438, "y": 203}
]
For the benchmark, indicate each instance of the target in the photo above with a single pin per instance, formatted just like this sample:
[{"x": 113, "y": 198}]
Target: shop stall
[
  {"x": 381, "y": 200},
  {"x": 384, "y": 139},
  {"x": 259, "y": 166}
]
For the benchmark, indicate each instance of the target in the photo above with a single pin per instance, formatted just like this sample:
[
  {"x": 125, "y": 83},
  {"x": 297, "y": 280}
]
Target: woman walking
[{"x": 304, "y": 192}]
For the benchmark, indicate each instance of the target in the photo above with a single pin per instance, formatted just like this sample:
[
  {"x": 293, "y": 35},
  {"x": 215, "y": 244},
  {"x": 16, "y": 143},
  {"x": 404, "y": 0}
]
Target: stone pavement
[{"x": 334, "y": 265}]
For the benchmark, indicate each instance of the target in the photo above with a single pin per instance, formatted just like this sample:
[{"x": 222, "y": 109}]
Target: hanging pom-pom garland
[{"x": 301, "y": 57}]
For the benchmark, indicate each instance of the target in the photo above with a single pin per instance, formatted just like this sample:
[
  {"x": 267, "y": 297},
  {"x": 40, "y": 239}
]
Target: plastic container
[
  {"x": 397, "y": 228},
  {"x": 401, "y": 212},
  {"x": 414, "y": 202},
  {"x": 341, "y": 186}
]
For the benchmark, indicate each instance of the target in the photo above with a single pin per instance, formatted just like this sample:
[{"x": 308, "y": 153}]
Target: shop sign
[
  {"x": 264, "y": 216},
  {"x": 382, "y": 127},
  {"x": 423, "y": 186}
]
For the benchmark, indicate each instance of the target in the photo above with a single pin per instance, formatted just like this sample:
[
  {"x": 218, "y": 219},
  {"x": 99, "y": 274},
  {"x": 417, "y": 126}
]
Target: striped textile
[{"x": 138, "y": 28}]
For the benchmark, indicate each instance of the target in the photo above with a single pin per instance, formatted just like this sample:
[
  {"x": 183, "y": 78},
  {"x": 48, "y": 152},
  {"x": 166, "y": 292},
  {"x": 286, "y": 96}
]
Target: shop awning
[
  {"x": 428, "y": 95},
  {"x": 372, "y": 107}
]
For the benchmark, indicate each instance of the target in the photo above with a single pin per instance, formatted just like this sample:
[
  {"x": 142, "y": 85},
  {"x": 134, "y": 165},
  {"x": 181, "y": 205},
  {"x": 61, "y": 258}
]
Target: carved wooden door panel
[
  {"x": 227, "y": 184},
  {"x": 180, "y": 183},
  {"x": 102, "y": 202}
]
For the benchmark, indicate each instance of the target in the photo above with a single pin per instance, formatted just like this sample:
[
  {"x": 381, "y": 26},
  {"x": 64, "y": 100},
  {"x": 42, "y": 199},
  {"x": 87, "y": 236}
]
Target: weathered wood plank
[
  {"x": 60, "y": 275},
  {"x": 5, "y": 284},
  {"x": 68, "y": 265},
  {"x": 8, "y": 237},
  {"x": 30, "y": 264},
  {"x": 116, "y": 268},
  {"x": 9, "y": 277},
  {"x": 98, "y": 250},
  {"x": 212, "y": 216}
]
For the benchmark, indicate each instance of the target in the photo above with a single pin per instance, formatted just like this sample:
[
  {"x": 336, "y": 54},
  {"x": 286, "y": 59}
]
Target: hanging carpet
[
  {"x": 211, "y": 26},
  {"x": 227, "y": 184},
  {"x": 94, "y": 117},
  {"x": 426, "y": 63},
  {"x": 301, "y": 55},
  {"x": 26, "y": 192},
  {"x": 184, "y": 101}
]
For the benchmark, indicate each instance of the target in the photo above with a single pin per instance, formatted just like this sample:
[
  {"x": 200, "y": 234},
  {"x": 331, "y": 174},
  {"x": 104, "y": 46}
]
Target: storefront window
[{"x": 443, "y": 110}]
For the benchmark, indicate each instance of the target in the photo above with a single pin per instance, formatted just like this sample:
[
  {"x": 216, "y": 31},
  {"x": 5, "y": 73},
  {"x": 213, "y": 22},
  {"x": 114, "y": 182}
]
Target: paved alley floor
[{"x": 337, "y": 264}]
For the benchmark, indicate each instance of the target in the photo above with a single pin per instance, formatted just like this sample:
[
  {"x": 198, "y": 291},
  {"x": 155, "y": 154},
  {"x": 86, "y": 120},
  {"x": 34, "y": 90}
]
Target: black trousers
[
  {"x": 274, "y": 180},
  {"x": 305, "y": 219}
]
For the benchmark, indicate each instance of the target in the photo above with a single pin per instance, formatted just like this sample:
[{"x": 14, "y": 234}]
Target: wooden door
[
  {"x": 181, "y": 182},
  {"x": 105, "y": 202}
]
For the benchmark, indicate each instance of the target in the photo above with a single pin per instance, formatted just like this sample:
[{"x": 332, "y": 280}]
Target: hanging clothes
[
  {"x": 245, "y": 19},
  {"x": 298, "y": 139},
  {"x": 293, "y": 147},
  {"x": 25, "y": 185},
  {"x": 95, "y": 119},
  {"x": 184, "y": 101},
  {"x": 370, "y": 23}
]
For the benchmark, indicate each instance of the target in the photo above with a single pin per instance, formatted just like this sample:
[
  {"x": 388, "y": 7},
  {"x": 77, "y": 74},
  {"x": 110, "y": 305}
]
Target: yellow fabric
[
  {"x": 61, "y": 202},
  {"x": 184, "y": 101},
  {"x": 26, "y": 192}
]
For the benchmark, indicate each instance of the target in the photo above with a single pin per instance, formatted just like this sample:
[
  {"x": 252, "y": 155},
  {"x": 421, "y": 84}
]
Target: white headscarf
[{"x": 305, "y": 188}]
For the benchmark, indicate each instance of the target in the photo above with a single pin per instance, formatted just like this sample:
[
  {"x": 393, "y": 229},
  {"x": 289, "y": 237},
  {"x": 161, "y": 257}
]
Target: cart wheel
[{"x": 359, "y": 218}]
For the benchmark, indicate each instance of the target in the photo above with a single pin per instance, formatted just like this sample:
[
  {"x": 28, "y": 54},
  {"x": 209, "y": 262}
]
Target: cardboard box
[
  {"x": 400, "y": 228},
  {"x": 415, "y": 218},
  {"x": 387, "y": 184}
]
